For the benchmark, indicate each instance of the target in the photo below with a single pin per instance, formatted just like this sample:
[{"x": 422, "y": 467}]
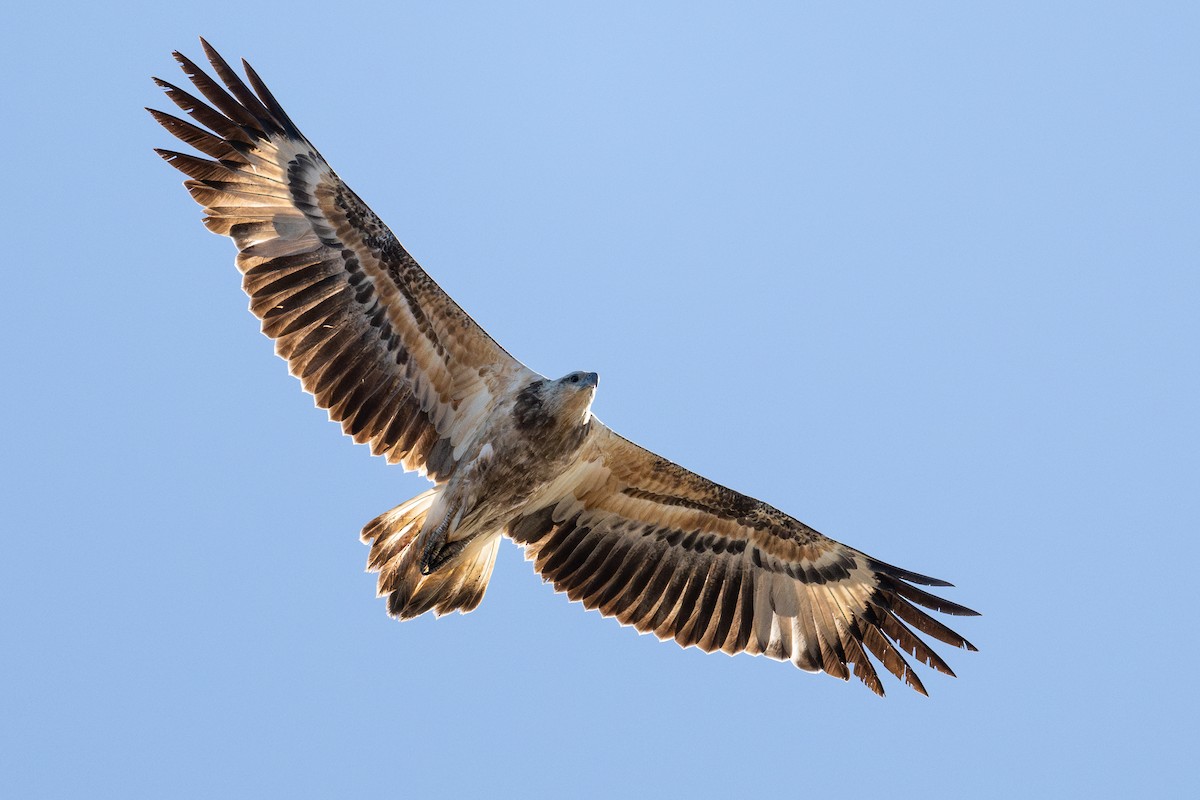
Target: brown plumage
[{"x": 407, "y": 372}]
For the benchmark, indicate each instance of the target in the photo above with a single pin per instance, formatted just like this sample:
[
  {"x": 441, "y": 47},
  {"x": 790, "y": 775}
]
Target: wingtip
[
  {"x": 189, "y": 67},
  {"x": 159, "y": 115},
  {"x": 209, "y": 50},
  {"x": 908, "y": 575},
  {"x": 926, "y": 580},
  {"x": 871, "y": 681}
]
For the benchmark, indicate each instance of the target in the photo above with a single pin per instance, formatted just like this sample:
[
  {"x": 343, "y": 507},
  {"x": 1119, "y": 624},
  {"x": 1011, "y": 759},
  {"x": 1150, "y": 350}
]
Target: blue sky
[{"x": 922, "y": 275}]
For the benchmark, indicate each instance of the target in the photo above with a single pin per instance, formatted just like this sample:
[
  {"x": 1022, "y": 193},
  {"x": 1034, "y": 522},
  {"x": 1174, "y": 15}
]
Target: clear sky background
[{"x": 924, "y": 275}]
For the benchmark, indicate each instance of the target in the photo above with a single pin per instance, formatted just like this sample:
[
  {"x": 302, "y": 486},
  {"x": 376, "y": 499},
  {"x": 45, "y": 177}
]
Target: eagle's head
[
  {"x": 566, "y": 402},
  {"x": 572, "y": 395},
  {"x": 580, "y": 381}
]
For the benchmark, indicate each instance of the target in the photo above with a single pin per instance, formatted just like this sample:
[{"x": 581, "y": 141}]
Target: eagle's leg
[
  {"x": 438, "y": 548},
  {"x": 460, "y": 499}
]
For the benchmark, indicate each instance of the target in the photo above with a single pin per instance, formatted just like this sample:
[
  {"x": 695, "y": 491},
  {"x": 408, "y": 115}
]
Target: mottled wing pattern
[
  {"x": 368, "y": 333},
  {"x": 662, "y": 549}
]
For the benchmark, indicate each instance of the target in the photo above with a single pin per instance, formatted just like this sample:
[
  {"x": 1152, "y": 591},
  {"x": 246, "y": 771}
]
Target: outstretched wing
[
  {"x": 662, "y": 549},
  {"x": 369, "y": 334}
]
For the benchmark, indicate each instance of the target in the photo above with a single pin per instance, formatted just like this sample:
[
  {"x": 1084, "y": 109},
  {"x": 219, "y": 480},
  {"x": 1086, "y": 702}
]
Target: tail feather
[{"x": 457, "y": 585}]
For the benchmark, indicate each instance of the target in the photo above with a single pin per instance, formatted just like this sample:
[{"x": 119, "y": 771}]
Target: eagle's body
[
  {"x": 528, "y": 441},
  {"x": 406, "y": 371}
]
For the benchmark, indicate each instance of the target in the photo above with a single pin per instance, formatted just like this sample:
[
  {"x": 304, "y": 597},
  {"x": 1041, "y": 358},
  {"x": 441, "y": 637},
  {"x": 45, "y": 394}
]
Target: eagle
[{"x": 511, "y": 452}]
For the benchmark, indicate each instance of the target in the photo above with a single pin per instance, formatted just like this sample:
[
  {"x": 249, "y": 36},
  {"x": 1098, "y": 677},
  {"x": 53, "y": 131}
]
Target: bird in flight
[{"x": 512, "y": 453}]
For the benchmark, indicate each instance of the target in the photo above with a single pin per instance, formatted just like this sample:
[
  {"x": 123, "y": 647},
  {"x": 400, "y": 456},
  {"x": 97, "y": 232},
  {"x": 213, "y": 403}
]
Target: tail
[{"x": 458, "y": 584}]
